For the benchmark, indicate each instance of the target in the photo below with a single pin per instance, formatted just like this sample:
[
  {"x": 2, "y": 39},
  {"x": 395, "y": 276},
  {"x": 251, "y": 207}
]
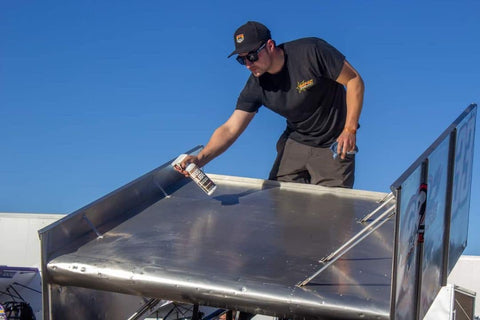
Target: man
[{"x": 303, "y": 80}]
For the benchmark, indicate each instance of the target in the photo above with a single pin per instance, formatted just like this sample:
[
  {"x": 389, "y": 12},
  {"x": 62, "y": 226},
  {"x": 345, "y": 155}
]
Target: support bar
[
  {"x": 347, "y": 244},
  {"x": 385, "y": 201},
  {"x": 90, "y": 224},
  {"x": 149, "y": 305},
  {"x": 351, "y": 243}
]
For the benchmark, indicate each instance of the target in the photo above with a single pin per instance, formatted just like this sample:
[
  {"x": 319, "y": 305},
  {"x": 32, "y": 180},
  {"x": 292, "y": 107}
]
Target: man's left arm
[{"x": 355, "y": 88}]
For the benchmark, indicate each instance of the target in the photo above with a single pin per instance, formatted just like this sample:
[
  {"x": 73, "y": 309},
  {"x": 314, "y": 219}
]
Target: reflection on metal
[
  {"x": 434, "y": 223},
  {"x": 431, "y": 226},
  {"x": 90, "y": 224},
  {"x": 385, "y": 201},
  {"x": 169, "y": 310},
  {"x": 453, "y": 302},
  {"x": 17, "y": 287},
  {"x": 215, "y": 314},
  {"x": 464, "y": 303},
  {"x": 163, "y": 191},
  {"x": 462, "y": 181},
  {"x": 177, "y": 249},
  {"x": 74, "y": 303},
  {"x": 355, "y": 240},
  {"x": 148, "y": 307}
]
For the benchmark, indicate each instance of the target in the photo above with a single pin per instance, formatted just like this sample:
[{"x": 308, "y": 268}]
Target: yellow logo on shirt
[{"x": 304, "y": 85}]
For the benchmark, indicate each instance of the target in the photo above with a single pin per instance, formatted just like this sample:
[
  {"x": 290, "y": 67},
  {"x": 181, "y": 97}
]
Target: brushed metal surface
[
  {"x": 245, "y": 248},
  {"x": 435, "y": 215},
  {"x": 462, "y": 181},
  {"x": 428, "y": 243}
]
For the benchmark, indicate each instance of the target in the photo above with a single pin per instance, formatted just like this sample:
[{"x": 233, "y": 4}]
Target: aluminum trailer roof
[{"x": 245, "y": 248}]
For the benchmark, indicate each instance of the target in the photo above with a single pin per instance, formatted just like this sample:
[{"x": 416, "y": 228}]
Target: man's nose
[{"x": 248, "y": 63}]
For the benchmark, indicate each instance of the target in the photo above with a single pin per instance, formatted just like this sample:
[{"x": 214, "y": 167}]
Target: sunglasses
[{"x": 252, "y": 56}]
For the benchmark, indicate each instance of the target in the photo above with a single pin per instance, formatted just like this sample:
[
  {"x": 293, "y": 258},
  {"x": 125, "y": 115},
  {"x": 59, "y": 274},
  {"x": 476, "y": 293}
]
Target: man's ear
[{"x": 270, "y": 45}]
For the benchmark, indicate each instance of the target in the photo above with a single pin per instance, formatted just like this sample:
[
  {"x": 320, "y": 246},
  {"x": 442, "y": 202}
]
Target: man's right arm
[{"x": 222, "y": 138}]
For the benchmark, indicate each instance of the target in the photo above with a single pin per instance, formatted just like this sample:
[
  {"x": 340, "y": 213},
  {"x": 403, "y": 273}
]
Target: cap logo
[{"x": 239, "y": 38}]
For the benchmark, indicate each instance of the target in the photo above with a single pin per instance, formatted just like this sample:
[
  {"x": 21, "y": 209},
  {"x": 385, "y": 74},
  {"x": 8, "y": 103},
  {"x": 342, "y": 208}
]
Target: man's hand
[
  {"x": 185, "y": 162},
  {"x": 346, "y": 143}
]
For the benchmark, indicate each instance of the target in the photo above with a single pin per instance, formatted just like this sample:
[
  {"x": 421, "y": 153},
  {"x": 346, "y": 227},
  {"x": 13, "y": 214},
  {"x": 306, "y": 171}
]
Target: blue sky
[{"x": 94, "y": 94}]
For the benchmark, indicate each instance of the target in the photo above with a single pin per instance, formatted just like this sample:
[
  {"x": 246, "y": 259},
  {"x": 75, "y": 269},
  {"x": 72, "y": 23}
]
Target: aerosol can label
[{"x": 197, "y": 175}]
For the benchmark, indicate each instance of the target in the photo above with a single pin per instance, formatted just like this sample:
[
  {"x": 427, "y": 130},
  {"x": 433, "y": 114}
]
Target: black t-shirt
[{"x": 304, "y": 92}]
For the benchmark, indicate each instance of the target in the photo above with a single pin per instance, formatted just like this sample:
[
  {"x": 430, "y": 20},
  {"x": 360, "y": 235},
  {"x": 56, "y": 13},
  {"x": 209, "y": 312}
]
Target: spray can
[{"x": 197, "y": 175}]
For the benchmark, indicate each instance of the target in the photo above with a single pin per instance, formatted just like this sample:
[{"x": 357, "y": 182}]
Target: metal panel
[
  {"x": 405, "y": 255},
  {"x": 452, "y": 302},
  {"x": 448, "y": 163},
  {"x": 432, "y": 266},
  {"x": 245, "y": 248},
  {"x": 462, "y": 181},
  {"x": 73, "y": 303},
  {"x": 464, "y": 304}
]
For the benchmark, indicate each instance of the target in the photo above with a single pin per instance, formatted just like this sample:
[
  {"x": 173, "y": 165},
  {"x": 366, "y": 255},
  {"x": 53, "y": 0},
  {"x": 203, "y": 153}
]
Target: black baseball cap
[{"x": 250, "y": 37}]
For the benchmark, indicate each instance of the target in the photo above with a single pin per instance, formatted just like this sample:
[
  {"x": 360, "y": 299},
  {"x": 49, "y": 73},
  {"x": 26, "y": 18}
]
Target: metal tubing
[
  {"x": 26, "y": 287},
  {"x": 195, "y": 315},
  {"x": 147, "y": 306},
  {"x": 448, "y": 207},
  {"x": 325, "y": 259},
  {"x": 386, "y": 200},
  {"x": 306, "y": 281},
  {"x": 90, "y": 224},
  {"x": 163, "y": 191}
]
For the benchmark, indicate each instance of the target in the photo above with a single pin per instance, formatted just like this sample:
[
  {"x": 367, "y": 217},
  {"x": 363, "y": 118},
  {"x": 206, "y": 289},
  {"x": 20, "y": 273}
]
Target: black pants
[{"x": 297, "y": 162}]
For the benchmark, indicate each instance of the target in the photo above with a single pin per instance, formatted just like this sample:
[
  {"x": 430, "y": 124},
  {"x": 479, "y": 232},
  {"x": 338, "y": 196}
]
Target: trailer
[{"x": 279, "y": 249}]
